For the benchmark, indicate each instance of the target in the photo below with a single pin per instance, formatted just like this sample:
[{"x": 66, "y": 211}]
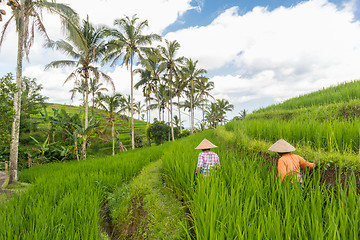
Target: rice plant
[
  {"x": 244, "y": 199},
  {"x": 64, "y": 200},
  {"x": 336, "y": 135}
]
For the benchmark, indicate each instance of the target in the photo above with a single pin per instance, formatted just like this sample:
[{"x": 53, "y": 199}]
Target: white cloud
[
  {"x": 100, "y": 12},
  {"x": 279, "y": 54},
  {"x": 261, "y": 54}
]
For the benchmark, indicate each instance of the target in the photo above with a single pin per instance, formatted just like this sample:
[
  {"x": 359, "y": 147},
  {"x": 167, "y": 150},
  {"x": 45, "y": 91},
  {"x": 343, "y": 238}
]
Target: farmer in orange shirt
[{"x": 289, "y": 164}]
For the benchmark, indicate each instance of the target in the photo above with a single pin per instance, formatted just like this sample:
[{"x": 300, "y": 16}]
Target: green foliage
[
  {"x": 159, "y": 132},
  {"x": 7, "y": 89},
  {"x": 31, "y": 103}
]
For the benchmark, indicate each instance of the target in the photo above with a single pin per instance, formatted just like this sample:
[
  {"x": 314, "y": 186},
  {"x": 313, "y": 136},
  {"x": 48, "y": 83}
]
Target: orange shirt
[{"x": 290, "y": 164}]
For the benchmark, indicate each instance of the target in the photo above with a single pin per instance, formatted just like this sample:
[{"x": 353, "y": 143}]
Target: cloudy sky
[{"x": 257, "y": 52}]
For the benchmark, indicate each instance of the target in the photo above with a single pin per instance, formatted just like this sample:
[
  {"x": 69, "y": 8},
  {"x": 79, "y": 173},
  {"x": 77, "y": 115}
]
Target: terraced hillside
[{"x": 241, "y": 200}]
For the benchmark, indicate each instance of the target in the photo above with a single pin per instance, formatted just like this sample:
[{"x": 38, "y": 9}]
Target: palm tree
[
  {"x": 110, "y": 104},
  {"x": 148, "y": 87},
  {"x": 193, "y": 74},
  {"x": 126, "y": 44},
  {"x": 152, "y": 62},
  {"x": 172, "y": 63},
  {"x": 87, "y": 48},
  {"x": 95, "y": 88},
  {"x": 213, "y": 115},
  {"x": 224, "y": 106},
  {"x": 243, "y": 114},
  {"x": 160, "y": 103},
  {"x": 204, "y": 86},
  {"x": 27, "y": 15},
  {"x": 139, "y": 108},
  {"x": 179, "y": 87}
]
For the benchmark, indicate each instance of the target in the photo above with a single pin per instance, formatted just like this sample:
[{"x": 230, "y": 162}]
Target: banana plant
[{"x": 42, "y": 148}]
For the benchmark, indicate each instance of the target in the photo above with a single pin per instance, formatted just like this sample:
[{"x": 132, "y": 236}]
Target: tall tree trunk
[
  {"x": 15, "y": 130},
  {"x": 179, "y": 114},
  {"x": 171, "y": 107},
  {"x": 76, "y": 148},
  {"x": 163, "y": 114},
  {"x": 191, "y": 107},
  {"x": 113, "y": 136},
  {"x": 86, "y": 100},
  {"x": 149, "y": 113},
  {"x": 84, "y": 147},
  {"x": 157, "y": 97},
  {"x": 132, "y": 106},
  {"x": 86, "y": 111}
]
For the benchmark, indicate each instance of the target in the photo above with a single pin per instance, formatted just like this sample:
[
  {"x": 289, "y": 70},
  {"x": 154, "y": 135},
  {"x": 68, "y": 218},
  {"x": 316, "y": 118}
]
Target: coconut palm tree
[
  {"x": 161, "y": 102},
  {"x": 110, "y": 104},
  {"x": 86, "y": 48},
  {"x": 139, "y": 108},
  {"x": 95, "y": 88},
  {"x": 204, "y": 86},
  {"x": 193, "y": 75},
  {"x": 147, "y": 88},
  {"x": 179, "y": 87},
  {"x": 127, "y": 43},
  {"x": 27, "y": 15},
  {"x": 172, "y": 64},
  {"x": 152, "y": 62},
  {"x": 224, "y": 106},
  {"x": 213, "y": 115}
]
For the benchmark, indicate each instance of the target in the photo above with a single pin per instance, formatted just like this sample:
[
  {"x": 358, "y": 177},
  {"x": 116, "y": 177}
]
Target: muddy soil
[{"x": 133, "y": 228}]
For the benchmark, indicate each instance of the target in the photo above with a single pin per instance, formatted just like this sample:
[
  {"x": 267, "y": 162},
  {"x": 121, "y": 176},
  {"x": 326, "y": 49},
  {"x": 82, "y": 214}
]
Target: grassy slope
[
  {"x": 343, "y": 92},
  {"x": 324, "y": 126}
]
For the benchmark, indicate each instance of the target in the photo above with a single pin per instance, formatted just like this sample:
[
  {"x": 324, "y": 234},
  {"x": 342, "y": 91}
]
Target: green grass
[{"x": 64, "y": 200}]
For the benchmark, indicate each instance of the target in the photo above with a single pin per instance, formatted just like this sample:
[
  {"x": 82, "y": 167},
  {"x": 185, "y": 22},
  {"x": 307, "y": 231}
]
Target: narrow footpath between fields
[
  {"x": 144, "y": 209},
  {"x": 3, "y": 180}
]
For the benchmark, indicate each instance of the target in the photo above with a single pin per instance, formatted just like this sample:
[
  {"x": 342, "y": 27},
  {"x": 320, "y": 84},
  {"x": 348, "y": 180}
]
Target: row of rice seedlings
[
  {"x": 244, "y": 200},
  {"x": 336, "y": 135},
  {"x": 64, "y": 200},
  {"x": 342, "y": 93}
]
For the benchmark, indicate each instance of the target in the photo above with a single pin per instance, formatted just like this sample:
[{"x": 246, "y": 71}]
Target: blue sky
[
  {"x": 256, "y": 52},
  {"x": 210, "y": 9}
]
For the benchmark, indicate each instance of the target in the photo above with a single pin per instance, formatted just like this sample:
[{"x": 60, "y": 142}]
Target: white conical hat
[
  {"x": 282, "y": 146},
  {"x": 205, "y": 144}
]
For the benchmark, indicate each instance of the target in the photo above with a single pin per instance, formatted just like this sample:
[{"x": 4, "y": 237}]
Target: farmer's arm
[{"x": 305, "y": 164}]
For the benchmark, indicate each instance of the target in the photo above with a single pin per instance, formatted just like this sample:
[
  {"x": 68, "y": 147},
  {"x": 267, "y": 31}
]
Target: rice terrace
[{"x": 179, "y": 119}]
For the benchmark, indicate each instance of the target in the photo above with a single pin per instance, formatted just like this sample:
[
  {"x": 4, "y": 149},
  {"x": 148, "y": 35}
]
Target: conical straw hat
[
  {"x": 205, "y": 144},
  {"x": 282, "y": 146}
]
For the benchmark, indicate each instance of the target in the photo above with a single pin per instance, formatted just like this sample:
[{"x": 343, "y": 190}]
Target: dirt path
[{"x": 3, "y": 178}]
